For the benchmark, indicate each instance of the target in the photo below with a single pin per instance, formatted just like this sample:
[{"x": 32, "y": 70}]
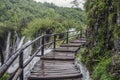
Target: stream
[{"x": 83, "y": 69}]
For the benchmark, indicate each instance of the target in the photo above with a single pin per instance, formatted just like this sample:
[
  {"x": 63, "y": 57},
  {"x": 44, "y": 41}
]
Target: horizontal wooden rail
[
  {"x": 30, "y": 59},
  {"x": 17, "y": 74}
]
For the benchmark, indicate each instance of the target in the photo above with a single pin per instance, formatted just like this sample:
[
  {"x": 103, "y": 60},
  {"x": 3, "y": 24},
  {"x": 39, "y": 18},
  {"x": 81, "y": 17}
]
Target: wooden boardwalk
[{"x": 58, "y": 64}]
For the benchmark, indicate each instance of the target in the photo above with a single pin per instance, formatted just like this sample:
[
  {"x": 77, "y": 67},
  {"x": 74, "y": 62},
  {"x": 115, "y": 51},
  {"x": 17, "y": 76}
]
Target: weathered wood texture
[
  {"x": 71, "y": 45},
  {"x": 59, "y": 56},
  {"x": 58, "y": 64}
]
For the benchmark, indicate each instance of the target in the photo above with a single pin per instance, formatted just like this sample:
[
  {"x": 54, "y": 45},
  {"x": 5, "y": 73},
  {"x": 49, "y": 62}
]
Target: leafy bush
[
  {"x": 5, "y": 77},
  {"x": 102, "y": 71}
]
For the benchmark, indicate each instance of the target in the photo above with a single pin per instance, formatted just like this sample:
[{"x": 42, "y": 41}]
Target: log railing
[{"x": 19, "y": 72}]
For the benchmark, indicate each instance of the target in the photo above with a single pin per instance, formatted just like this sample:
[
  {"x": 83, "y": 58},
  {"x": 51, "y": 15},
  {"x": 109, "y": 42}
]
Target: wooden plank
[
  {"x": 63, "y": 69},
  {"x": 56, "y": 72},
  {"x": 44, "y": 74},
  {"x": 78, "y": 41},
  {"x": 54, "y": 62},
  {"x": 71, "y": 45},
  {"x": 66, "y": 49},
  {"x": 59, "y": 67},
  {"x": 48, "y": 67},
  {"x": 59, "y": 56},
  {"x": 49, "y": 77},
  {"x": 60, "y": 53},
  {"x": 53, "y": 66}
]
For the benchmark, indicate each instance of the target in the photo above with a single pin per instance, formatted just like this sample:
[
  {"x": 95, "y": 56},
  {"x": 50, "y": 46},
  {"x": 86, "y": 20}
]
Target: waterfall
[
  {"x": 26, "y": 55},
  {"x": 118, "y": 18},
  {"x": 7, "y": 51},
  {"x": 27, "y": 51},
  {"x": 21, "y": 43},
  {"x": 15, "y": 64},
  {"x": 17, "y": 40}
]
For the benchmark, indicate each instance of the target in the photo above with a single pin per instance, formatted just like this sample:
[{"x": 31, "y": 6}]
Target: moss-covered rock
[
  {"x": 115, "y": 66},
  {"x": 103, "y": 39}
]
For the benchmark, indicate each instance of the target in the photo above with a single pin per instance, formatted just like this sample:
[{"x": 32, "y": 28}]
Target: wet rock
[{"x": 115, "y": 66}]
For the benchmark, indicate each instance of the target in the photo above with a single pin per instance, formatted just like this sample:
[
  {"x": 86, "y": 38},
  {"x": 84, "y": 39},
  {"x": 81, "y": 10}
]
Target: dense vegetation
[
  {"x": 20, "y": 14},
  {"x": 31, "y": 19},
  {"x": 103, "y": 48}
]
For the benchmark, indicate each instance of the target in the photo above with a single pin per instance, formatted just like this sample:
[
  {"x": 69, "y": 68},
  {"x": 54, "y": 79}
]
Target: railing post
[
  {"x": 21, "y": 65},
  {"x": 86, "y": 33},
  {"x": 54, "y": 46},
  {"x": 80, "y": 33},
  {"x": 42, "y": 50},
  {"x": 67, "y": 37}
]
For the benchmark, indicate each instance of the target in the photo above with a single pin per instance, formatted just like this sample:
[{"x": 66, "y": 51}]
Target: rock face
[
  {"x": 115, "y": 66},
  {"x": 103, "y": 40},
  {"x": 118, "y": 18},
  {"x": 117, "y": 45}
]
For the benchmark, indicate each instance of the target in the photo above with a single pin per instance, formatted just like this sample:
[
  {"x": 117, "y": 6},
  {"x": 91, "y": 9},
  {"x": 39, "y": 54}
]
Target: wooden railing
[{"x": 19, "y": 73}]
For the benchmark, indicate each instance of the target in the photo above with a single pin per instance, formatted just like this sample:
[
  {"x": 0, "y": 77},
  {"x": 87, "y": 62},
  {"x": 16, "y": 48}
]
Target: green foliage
[
  {"x": 23, "y": 13},
  {"x": 101, "y": 71},
  {"x": 5, "y": 77},
  {"x": 5, "y": 28},
  {"x": 37, "y": 26},
  {"x": 103, "y": 31},
  {"x": 32, "y": 19}
]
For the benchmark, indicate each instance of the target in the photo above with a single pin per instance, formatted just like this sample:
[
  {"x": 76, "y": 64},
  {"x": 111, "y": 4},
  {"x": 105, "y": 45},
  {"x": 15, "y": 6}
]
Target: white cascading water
[
  {"x": 18, "y": 44},
  {"x": 118, "y": 18},
  {"x": 21, "y": 43},
  {"x": 26, "y": 56},
  {"x": 83, "y": 69},
  {"x": 15, "y": 63},
  {"x": 27, "y": 51},
  {"x": 7, "y": 51}
]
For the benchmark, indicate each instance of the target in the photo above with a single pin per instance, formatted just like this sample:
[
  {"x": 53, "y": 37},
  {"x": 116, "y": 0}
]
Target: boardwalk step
[
  {"x": 59, "y": 56},
  {"x": 82, "y": 39},
  {"x": 53, "y": 62},
  {"x": 78, "y": 41},
  {"x": 58, "y": 64},
  {"x": 66, "y": 49},
  {"x": 71, "y": 45},
  {"x": 54, "y": 77},
  {"x": 51, "y": 70}
]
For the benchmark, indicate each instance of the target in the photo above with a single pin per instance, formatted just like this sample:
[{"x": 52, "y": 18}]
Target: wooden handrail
[
  {"x": 30, "y": 59},
  {"x": 19, "y": 52}
]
